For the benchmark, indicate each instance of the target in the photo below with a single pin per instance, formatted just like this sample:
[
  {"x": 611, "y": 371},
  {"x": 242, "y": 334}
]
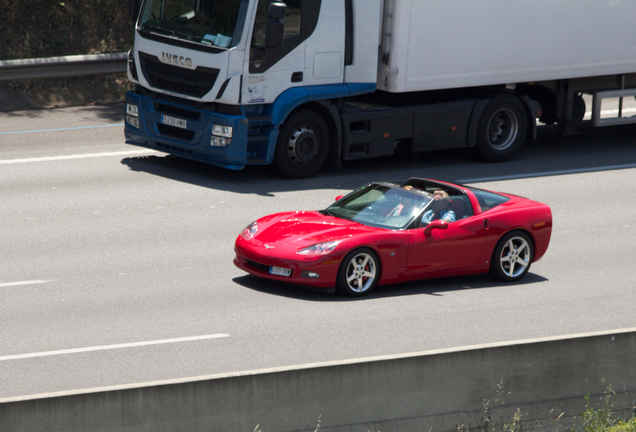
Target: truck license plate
[
  {"x": 167, "y": 120},
  {"x": 280, "y": 271}
]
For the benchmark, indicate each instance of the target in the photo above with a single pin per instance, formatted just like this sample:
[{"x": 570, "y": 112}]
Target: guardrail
[{"x": 62, "y": 67}]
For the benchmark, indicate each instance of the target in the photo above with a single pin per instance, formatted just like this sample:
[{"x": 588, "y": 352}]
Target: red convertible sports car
[{"x": 385, "y": 233}]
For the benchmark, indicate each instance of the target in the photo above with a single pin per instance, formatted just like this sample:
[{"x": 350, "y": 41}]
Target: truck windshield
[{"x": 216, "y": 23}]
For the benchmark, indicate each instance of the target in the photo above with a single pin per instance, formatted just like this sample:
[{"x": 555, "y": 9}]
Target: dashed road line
[
  {"x": 19, "y": 283},
  {"x": 62, "y": 129},
  {"x": 78, "y": 156},
  {"x": 112, "y": 347}
]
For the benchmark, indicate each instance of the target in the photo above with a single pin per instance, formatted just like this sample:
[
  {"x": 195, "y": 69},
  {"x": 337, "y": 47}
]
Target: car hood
[{"x": 308, "y": 228}]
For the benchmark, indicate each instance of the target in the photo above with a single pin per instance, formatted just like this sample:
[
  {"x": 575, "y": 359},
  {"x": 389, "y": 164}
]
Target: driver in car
[{"x": 404, "y": 202}]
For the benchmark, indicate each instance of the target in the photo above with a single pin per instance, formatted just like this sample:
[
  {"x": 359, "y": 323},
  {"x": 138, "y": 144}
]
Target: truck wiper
[{"x": 168, "y": 31}]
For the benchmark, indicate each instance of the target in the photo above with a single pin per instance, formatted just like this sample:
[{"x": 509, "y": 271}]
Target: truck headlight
[
  {"x": 133, "y": 121},
  {"x": 132, "y": 115},
  {"x": 132, "y": 110},
  {"x": 218, "y": 141},
  {"x": 222, "y": 131},
  {"x": 221, "y": 135}
]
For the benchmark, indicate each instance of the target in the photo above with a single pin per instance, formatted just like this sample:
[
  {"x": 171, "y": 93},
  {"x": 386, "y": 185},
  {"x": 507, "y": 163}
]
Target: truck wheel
[
  {"x": 303, "y": 145},
  {"x": 502, "y": 129}
]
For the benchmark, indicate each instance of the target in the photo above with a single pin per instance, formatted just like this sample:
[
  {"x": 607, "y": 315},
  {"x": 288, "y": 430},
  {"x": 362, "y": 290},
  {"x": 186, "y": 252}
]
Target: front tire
[
  {"x": 358, "y": 273},
  {"x": 512, "y": 257},
  {"x": 502, "y": 128},
  {"x": 303, "y": 145}
]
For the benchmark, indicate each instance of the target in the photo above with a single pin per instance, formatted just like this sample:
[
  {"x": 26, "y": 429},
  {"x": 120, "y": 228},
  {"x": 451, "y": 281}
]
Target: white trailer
[{"x": 238, "y": 82}]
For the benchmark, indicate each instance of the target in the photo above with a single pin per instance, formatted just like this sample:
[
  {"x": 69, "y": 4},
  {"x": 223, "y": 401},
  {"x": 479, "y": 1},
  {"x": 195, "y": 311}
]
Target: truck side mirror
[
  {"x": 436, "y": 224},
  {"x": 275, "y": 32},
  {"x": 134, "y": 10}
]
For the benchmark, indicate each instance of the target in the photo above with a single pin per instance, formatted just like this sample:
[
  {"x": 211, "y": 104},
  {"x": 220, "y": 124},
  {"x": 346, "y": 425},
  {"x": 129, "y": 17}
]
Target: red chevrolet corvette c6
[{"x": 386, "y": 233}]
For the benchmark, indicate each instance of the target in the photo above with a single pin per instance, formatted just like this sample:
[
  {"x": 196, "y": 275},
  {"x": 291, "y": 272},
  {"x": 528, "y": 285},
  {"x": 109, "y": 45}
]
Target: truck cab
[{"x": 217, "y": 80}]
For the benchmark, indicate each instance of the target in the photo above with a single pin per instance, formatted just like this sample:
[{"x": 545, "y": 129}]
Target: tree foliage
[{"x": 46, "y": 28}]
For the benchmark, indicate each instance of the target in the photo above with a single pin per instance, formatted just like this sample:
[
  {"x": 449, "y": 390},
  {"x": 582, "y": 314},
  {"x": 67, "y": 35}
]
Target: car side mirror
[
  {"x": 275, "y": 31},
  {"x": 436, "y": 224},
  {"x": 339, "y": 197}
]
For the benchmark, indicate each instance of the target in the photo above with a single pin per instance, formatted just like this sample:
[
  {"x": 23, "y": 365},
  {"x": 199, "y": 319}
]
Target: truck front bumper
[{"x": 186, "y": 131}]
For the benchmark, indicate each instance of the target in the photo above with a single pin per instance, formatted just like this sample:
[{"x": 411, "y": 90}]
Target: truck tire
[
  {"x": 303, "y": 145},
  {"x": 502, "y": 128}
]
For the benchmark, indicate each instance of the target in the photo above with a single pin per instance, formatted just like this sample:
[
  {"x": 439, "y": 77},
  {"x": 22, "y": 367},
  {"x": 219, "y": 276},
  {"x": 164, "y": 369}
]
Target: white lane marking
[
  {"x": 547, "y": 173},
  {"x": 29, "y": 282},
  {"x": 62, "y": 129},
  {"x": 78, "y": 156},
  {"x": 111, "y": 347}
]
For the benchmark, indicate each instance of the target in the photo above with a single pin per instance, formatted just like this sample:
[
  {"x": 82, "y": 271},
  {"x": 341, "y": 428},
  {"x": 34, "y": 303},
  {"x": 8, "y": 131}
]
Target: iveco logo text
[{"x": 176, "y": 60}]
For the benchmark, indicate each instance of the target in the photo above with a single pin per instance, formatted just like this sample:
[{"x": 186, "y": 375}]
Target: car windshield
[
  {"x": 381, "y": 205},
  {"x": 216, "y": 23}
]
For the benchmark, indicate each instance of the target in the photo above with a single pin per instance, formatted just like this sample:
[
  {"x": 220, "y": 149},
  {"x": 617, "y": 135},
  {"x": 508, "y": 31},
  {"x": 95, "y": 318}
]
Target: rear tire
[
  {"x": 502, "y": 128},
  {"x": 512, "y": 257},
  {"x": 303, "y": 145},
  {"x": 358, "y": 273}
]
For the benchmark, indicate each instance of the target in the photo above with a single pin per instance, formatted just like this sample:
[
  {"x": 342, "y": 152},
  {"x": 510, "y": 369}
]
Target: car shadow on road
[{"x": 431, "y": 287}]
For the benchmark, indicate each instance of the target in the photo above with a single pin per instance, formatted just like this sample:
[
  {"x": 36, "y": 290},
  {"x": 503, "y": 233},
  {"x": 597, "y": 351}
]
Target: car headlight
[
  {"x": 319, "y": 249},
  {"x": 250, "y": 231}
]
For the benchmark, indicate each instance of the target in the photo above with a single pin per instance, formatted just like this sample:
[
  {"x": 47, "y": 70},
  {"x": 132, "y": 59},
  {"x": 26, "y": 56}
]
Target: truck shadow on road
[
  {"x": 431, "y": 287},
  {"x": 593, "y": 150},
  {"x": 263, "y": 180}
]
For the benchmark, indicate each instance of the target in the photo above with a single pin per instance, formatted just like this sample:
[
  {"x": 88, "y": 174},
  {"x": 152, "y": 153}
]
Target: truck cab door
[{"x": 274, "y": 69}]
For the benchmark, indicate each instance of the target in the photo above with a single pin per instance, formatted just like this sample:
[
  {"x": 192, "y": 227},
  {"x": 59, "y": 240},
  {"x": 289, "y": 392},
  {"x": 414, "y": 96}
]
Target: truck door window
[
  {"x": 295, "y": 32},
  {"x": 291, "y": 21}
]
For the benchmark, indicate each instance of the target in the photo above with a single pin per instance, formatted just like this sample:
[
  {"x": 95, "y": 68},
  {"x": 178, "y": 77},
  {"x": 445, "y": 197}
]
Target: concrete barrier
[{"x": 544, "y": 380}]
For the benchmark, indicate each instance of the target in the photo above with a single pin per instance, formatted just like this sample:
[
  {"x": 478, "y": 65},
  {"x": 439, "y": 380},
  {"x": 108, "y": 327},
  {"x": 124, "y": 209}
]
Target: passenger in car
[{"x": 440, "y": 209}]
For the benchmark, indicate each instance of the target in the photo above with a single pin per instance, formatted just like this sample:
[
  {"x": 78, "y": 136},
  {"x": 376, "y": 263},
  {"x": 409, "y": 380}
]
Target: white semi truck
[{"x": 299, "y": 82}]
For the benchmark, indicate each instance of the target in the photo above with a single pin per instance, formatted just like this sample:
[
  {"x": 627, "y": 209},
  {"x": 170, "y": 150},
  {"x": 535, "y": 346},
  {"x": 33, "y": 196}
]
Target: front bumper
[
  {"x": 258, "y": 262},
  {"x": 193, "y": 141}
]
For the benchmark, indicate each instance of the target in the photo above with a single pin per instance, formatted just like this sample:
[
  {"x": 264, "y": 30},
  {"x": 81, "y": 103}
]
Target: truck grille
[
  {"x": 175, "y": 132},
  {"x": 197, "y": 82}
]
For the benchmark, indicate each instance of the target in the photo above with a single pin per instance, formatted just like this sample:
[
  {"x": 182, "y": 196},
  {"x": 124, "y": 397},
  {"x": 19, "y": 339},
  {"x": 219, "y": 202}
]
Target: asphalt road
[{"x": 116, "y": 262}]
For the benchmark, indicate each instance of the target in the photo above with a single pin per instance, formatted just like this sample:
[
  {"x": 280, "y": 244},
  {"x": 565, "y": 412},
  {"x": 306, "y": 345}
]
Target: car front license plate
[
  {"x": 171, "y": 121},
  {"x": 280, "y": 271}
]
